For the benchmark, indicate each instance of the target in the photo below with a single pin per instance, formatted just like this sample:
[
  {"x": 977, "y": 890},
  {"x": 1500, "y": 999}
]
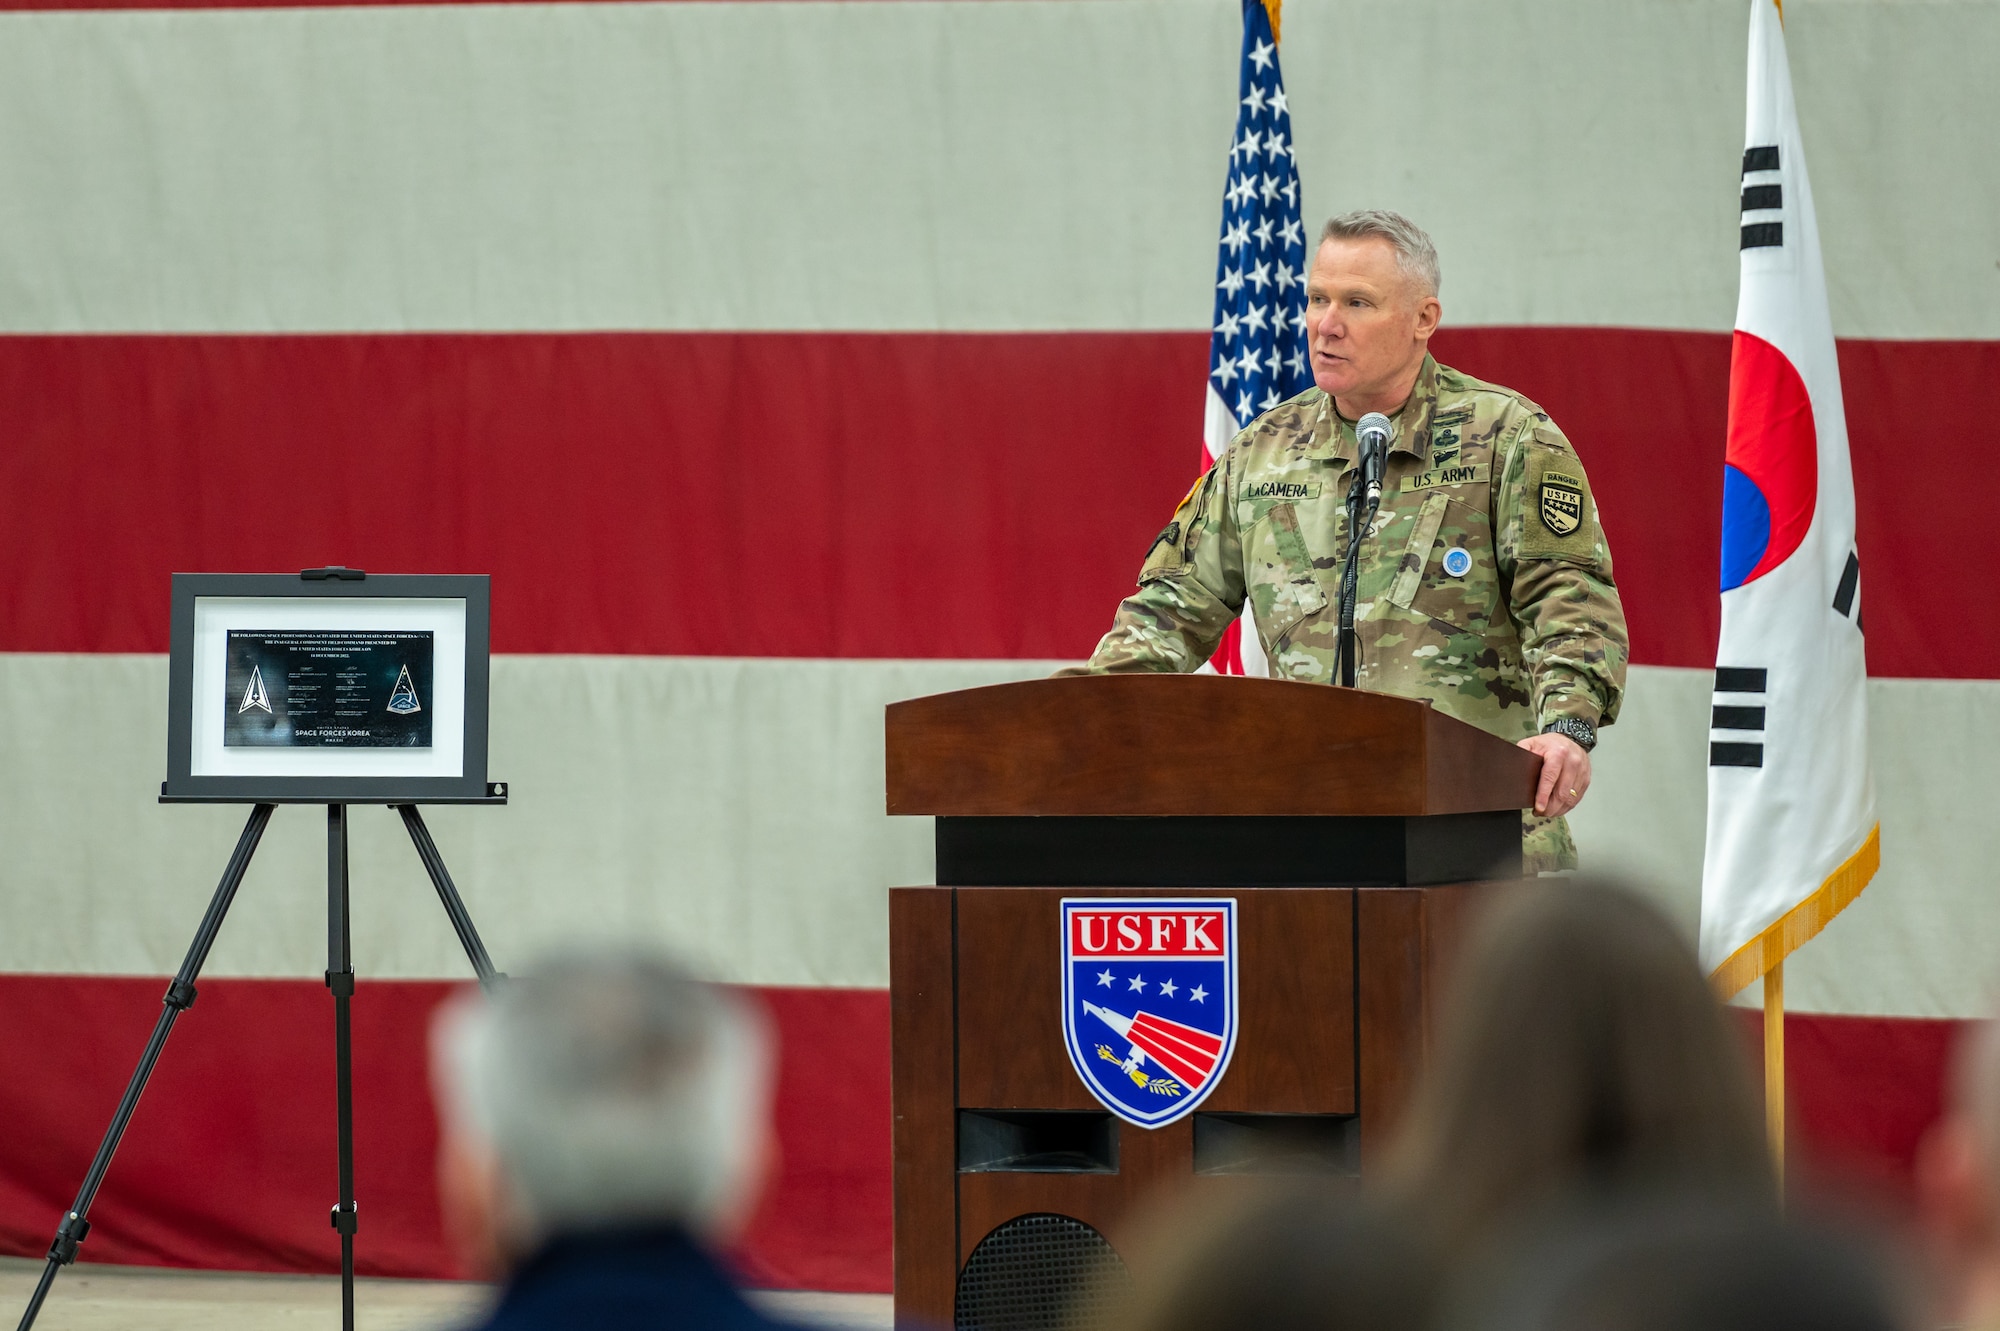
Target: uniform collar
[{"x": 1413, "y": 422}]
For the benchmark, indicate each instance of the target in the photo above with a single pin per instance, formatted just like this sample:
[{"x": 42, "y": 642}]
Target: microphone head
[{"x": 1375, "y": 430}]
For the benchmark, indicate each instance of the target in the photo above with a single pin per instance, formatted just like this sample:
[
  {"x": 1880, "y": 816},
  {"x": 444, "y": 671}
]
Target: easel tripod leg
[
  {"x": 340, "y": 979},
  {"x": 454, "y": 907},
  {"x": 180, "y": 997}
]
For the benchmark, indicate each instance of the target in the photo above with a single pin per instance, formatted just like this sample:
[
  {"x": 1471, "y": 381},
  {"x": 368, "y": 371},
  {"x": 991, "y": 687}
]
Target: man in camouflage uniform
[{"x": 1484, "y": 580}]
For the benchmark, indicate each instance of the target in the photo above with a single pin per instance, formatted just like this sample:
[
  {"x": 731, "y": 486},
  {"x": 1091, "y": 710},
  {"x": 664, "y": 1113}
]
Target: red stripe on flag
[
  {"x": 1648, "y": 413},
  {"x": 229, "y": 1161},
  {"x": 1862, "y": 1091},
  {"x": 838, "y": 495}
]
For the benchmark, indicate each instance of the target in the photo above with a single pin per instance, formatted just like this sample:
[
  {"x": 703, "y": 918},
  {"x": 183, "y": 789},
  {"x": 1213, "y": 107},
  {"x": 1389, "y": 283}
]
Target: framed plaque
[{"x": 327, "y": 687}]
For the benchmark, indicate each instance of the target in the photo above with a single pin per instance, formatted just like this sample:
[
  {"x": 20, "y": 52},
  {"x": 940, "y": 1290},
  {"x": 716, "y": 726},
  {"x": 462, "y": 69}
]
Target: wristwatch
[{"x": 1571, "y": 727}]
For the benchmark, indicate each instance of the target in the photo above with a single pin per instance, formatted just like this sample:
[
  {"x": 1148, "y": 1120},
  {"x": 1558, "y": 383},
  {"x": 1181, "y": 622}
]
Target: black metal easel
[{"x": 75, "y": 1226}]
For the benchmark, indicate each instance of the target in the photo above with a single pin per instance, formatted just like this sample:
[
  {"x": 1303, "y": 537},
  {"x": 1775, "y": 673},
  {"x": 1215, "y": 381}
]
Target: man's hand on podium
[{"x": 1565, "y": 773}]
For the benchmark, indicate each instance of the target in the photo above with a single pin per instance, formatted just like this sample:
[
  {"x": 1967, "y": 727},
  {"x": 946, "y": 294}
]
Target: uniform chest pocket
[
  {"x": 1447, "y": 571},
  {"x": 1284, "y": 587}
]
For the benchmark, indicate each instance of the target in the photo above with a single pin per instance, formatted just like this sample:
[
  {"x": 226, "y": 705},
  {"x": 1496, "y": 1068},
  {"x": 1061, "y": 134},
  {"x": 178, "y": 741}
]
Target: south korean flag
[{"x": 1792, "y": 834}]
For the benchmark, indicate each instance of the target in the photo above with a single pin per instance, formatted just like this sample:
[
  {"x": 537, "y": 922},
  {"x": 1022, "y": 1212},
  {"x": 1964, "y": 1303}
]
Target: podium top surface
[{"x": 1145, "y": 745}]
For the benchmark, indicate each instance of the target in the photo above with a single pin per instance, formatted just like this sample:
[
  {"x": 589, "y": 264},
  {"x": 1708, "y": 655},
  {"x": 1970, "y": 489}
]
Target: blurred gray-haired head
[{"x": 613, "y": 1088}]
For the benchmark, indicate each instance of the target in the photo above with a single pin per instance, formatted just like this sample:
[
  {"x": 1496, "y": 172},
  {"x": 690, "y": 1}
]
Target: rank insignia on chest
[
  {"x": 1562, "y": 503},
  {"x": 1149, "y": 1001}
]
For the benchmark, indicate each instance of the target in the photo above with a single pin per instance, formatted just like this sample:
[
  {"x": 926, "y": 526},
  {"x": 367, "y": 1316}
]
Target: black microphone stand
[{"x": 1347, "y": 649}]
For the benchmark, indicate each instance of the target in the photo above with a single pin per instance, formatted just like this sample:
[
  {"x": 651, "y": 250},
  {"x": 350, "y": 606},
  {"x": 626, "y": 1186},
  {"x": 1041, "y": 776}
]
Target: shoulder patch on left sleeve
[
  {"x": 1561, "y": 517},
  {"x": 1173, "y": 548}
]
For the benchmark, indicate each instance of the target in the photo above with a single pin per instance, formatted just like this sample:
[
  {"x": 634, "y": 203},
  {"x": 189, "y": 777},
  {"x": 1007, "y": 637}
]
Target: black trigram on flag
[
  {"x": 1739, "y": 715},
  {"x": 1850, "y": 585},
  {"x": 1764, "y": 197}
]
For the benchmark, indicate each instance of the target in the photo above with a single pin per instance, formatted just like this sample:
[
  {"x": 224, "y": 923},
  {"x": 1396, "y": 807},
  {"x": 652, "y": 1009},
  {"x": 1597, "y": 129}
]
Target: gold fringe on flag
[
  {"x": 1799, "y": 924},
  {"x": 1272, "y": 7}
]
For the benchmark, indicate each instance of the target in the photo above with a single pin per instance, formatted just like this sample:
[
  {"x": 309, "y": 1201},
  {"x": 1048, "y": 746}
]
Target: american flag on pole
[
  {"x": 1791, "y": 800},
  {"x": 1257, "y": 346}
]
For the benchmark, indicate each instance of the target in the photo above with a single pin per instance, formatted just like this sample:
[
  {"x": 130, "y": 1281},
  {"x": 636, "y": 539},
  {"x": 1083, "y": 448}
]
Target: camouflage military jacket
[{"x": 1484, "y": 581}]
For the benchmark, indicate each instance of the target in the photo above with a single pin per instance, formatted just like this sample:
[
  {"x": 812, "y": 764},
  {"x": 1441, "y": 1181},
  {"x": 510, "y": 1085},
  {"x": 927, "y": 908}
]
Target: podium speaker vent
[{"x": 1041, "y": 1273}]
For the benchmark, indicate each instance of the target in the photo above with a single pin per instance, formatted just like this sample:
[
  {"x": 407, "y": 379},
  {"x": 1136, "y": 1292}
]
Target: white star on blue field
[
  {"x": 1177, "y": 994},
  {"x": 1257, "y": 349}
]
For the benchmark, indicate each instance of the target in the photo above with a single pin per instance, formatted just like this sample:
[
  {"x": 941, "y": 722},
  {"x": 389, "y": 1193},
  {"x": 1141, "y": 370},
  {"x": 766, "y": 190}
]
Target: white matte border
[{"x": 215, "y": 616}]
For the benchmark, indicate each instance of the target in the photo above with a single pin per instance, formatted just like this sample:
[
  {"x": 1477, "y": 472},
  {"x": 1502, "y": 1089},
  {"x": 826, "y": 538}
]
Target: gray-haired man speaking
[
  {"x": 604, "y": 1120},
  {"x": 1484, "y": 580}
]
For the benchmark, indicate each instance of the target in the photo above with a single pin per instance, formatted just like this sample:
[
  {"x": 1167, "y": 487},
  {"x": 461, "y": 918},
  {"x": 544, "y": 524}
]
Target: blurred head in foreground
[
  {"x": 1580, "y": 1051},
  {"x": 1958, "y": 1181},
  {"x": 1691, "y": 1266},
  {"x": 605, "y": 1091},
  {"x": 1297, "y": 1256}
]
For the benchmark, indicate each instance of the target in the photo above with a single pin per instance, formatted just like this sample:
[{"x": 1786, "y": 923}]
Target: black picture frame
[{"x": 471, "y": 786}]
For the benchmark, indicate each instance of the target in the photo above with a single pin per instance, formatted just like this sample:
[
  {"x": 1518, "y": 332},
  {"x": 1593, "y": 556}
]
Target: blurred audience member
[
  {"x": 1580, "y": 1050},
  {"x": 1695, "y": 1266},
  {"x": 1303, "y": 1256},
  {"x": 1958, "y": 1183},
  {"x": 603, "y": 1120}
]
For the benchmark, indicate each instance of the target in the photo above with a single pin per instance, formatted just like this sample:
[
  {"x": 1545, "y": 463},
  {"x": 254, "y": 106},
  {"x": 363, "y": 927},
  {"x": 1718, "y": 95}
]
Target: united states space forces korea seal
[{"x": 1149, "y": 1001}]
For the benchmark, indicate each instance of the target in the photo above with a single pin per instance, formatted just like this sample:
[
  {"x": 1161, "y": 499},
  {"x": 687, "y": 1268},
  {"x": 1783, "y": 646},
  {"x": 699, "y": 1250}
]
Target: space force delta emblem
[{"x": 1149, "y": 1001}]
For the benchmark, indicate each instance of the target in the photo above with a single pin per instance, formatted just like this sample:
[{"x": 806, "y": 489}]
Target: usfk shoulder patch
[
  {"x": 1292, "y": 490},
  {"x": 1559, "y": 520},
  {"x": 1468, "y": 474},
  {"x": 1561, "y": 502}
]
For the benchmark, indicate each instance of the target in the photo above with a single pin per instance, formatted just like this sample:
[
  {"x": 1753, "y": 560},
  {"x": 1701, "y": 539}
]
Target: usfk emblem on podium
[{"x": 1149, "y": 1001}]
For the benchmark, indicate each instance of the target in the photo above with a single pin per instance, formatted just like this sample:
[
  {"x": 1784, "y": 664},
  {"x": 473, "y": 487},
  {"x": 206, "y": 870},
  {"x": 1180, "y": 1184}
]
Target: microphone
[{"x": 1374, "y": 432}]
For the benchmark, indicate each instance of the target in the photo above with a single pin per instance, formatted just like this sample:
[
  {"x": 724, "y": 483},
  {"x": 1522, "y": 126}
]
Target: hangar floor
[{"x": 116, "y": 1298}]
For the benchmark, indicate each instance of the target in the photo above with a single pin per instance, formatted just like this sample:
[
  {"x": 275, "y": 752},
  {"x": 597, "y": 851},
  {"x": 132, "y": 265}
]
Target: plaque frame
[
  {"x": 264, "y": 793},
  {"x": 470, "y": 786}
]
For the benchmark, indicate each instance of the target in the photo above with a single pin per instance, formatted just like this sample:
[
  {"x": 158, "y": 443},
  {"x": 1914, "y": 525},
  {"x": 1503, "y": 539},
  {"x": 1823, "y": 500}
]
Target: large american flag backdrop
[{"x": 779, "y": 360}]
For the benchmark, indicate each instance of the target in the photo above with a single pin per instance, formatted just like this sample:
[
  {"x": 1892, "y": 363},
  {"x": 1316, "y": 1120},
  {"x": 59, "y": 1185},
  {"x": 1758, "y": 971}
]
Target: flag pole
[{"x": 1774, "y": 1067}]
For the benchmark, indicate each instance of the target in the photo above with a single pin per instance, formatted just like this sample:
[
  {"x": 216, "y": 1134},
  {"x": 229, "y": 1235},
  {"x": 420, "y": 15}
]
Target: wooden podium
[{"x": 1347, "y": 825}]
